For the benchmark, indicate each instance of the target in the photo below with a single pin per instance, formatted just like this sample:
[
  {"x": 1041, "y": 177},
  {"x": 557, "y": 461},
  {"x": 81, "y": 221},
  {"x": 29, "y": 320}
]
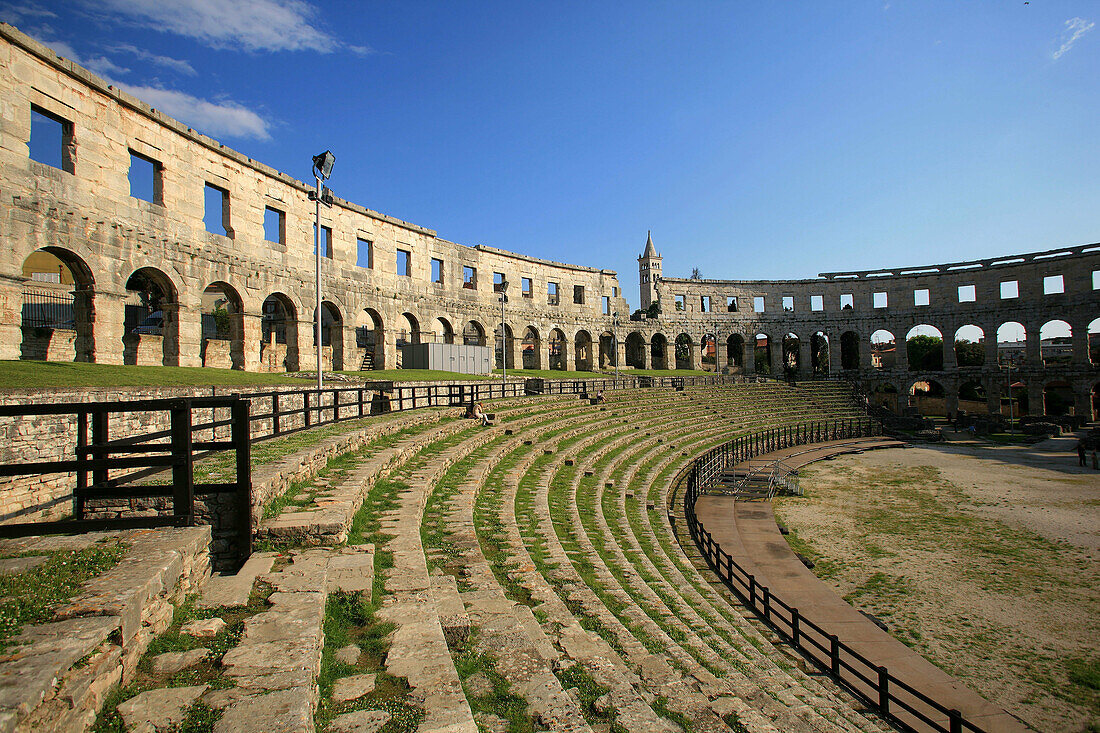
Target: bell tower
[{"x": 649, "y": 273}]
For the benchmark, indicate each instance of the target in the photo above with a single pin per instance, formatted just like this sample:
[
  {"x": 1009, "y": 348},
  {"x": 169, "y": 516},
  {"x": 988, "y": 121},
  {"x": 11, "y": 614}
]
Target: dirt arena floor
[{"x": 985, "y": 559}]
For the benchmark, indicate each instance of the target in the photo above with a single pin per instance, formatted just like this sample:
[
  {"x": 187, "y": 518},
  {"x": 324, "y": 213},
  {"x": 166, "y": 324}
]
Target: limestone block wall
[{"x": 84, "y": 214}]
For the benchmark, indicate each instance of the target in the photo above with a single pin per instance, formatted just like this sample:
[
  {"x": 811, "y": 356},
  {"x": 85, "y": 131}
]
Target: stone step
[{"x": 234, "y": 590}]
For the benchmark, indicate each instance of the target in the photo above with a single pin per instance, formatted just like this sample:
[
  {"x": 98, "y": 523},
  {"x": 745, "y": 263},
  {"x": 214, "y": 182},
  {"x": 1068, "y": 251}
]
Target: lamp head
[{"x": 323, "y": 163}]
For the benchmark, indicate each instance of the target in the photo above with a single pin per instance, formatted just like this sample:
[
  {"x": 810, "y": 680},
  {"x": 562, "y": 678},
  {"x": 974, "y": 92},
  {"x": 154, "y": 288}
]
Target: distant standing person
[{"x": 1081, "y": 453}]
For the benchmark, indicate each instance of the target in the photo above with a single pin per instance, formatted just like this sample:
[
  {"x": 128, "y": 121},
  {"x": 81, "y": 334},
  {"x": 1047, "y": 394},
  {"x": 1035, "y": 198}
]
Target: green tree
[
  {"x": 925, "y": 353},
  {"x": 969, "y": 353}
]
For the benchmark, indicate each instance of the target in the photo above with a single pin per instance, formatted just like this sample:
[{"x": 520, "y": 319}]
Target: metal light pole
[
  {"x": 503, "y": 339},
  {"x": 1011, "y": 413},
  {"x": 322, "y": 169}
]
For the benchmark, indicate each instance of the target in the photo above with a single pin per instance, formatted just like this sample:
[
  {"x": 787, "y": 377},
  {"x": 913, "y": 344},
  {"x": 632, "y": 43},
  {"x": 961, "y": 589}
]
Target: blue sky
[{"x": 756, "y": 140}]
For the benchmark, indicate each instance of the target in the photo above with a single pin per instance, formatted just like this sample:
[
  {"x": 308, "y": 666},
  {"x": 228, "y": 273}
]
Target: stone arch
[
  {"x": 332, "y": 338},
  {"x": 473, "y": 334},
  {"x": 222, "y": 327},
  {"x": 735, "y": 352},
  {"x": 685, "y": 349},
  {"x": 884, "y": 349},
  {"x": 885, "y": 394},
  {"x": 278, "y": 334},
  {"x": 608, "y": 356},
  {"x": 151, "y": 322},
  {"x": 1058, "y": 398},
  {"x": 658, "y": 351},
  {"x": 557, "y": 350},
  {"x": 410, "y": 332},
  {"x": 849, "y": 350},
  {"x": 969, "y": 346},
  {"x": 503, "y": 348},
  {"x": 1094, "y": 342},
  {"x": 708, "y": 352},
  {"x": 532, "y": 348},
  {"x": 762, "y": 354},
  {"x": 635, "y": 350},
  {"x": 973, "y": 396},
  {"x": 370, "y": 339},
  {"x": 924, "y": 348},
  {"x": 446, "y": 330},
  {"x": 819, "y": 353},
  {"x": 57, "y": 312},
  {"x": 1011, "y": 342},
  {"x": 792, "y": 357},
  {"x": 929, "y": 396},
  {"x": 582, "y": 343},
  {"x": 1055, "y": 343}
]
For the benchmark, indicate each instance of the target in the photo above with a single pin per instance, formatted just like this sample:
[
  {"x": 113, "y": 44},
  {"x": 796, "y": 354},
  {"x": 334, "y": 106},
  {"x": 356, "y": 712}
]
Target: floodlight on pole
[{"x": 322, "y": 169}]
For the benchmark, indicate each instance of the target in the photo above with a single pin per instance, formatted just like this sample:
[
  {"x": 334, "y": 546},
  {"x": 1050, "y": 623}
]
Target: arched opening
[
  {"x": 929, "y": 397},
  {"x": 973, "y": 396},
  {"x": 1011, "y": 343},
  {"x": 503, "y": 348},
  {"x": 222, "y": 327},
  {"x": 762, "y": 354},
  {"x": 1096, "y": 401},
  {"x": 924, "y": 349},
  {"x": 884, "y": 353},
  {"x": 684, "y": 347},
  {"x": 658, "y": 351},
  {"x": 556, "y": 350},
  {"x": 708, "y": 352},
  {"x": 970, "y": 346},
  {"x": 332, "y": 339},
  {"x": 1094, "y": 342},
  {"x": 885, "y": 395},
  {"x": 1055, "y": 343},
  {"x": 1014, "y": 401},
  {"x": 582, "y": 343},
  {"x": 370, "y": 340},
  {"x": 446, "y": 331},
  {"x": 473, "y": 334},
  {"x": 410, "y": 334},
  {"x": 151, "y": 319},
  {"x": 608, "y": 357},
  {"x": 819, "y": 353},
  {"x": 735, "y": 351},
  {"x": 57, "y": 313},
  {"x": 849, "y": 350},
  {"x": 278, "y": 334},
  {"x": 792, "y": 359},
  {"x": 1057, "y": 399},
  {"x": 532, "y": 349},
  {"x": 635, "y": 350}
]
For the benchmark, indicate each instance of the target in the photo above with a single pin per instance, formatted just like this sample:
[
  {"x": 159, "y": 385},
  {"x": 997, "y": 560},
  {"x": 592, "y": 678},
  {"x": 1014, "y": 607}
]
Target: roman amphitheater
[{"x": 601, "y": 555}]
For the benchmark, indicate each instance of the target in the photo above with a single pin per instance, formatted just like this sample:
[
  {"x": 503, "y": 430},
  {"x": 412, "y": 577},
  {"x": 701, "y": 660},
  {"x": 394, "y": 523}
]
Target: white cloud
[
  {"x": 178, "y": 65},
  {"x": 18, "y": 13},
  {"x": 1075, "y": 28},
  {"x": 221, "y": 119},
  {"x": 100, "y": 64},
  {"x": 252, "y": 25}
]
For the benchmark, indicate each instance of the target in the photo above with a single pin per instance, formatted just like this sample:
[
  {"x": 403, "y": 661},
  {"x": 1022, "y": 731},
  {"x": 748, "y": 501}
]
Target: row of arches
[{"x": 1023, "y": 398}]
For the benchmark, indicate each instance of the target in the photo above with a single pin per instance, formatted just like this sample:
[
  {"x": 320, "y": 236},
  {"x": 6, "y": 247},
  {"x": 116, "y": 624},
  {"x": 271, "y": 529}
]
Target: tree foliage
[{"x": 925, "y": 353}]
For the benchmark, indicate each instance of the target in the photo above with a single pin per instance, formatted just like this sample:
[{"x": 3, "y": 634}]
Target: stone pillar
[
  {"x": 1080, "y": 341},
  {"x": 721, "y": 361},
  {"x": 836, "y": 355},
  {"x": 951, "y": 398},
  {"x": 993, "y": 396},
  {"x": 11, "y": 317},
  {"x": 1035, "y": 404},
  {"x": 901, "y": 353},
  {"x": 1032, "y": 348},
  {"x": 748, "y": 355},
  {"x": 620, "y": 353},
  {"x": 353, "y": 355},
  {"x": 692, "y": 357},
  {"x": 108, "y": 320},
  {"x": 775, "y": 347},
  {"x": 513, "y": 350},
  {"x": 991, "y": 353},
  {"x": 805, "y": 358},
  {"x": 183, "y": 341},
  {"x": 950, "y": 361},
  {"x": 1082, "y": 400},
  {"x": 567, "y": 357}
]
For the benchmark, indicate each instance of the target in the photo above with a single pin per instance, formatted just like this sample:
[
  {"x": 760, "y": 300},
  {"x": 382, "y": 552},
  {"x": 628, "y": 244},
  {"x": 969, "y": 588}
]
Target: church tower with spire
[{"x": 649, "y": 273}]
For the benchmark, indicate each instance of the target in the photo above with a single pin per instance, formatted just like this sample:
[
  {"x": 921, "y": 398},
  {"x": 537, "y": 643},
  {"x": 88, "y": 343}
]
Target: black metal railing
[
  {"x": 106, "y": 469},
  {"x": 871, "y": 682},
  {"x": 48, "y": 309}
]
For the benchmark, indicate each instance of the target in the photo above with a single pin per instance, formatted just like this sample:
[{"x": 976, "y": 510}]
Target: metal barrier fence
[{"x": 869, "y": 681}]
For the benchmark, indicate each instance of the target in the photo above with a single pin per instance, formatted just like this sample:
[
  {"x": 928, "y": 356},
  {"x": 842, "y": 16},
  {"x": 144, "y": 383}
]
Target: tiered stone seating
[{"x": 542, "y": 548}]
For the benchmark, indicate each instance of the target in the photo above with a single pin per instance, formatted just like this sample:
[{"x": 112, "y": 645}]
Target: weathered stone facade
[
  {"x": 118, "y": 246},
  {"x": 847, "y": 308}
]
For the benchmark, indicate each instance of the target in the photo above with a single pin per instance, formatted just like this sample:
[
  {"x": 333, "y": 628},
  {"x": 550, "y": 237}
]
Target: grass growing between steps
[
  {"x": 29, "y": 597},
  {"x": 476, "y": 668},
  {"x": 350, "y": 620},
  {"x": 200, "y": 717},
  {"x": 588, "y": 692},
  {"x": 490, "y": 529}
]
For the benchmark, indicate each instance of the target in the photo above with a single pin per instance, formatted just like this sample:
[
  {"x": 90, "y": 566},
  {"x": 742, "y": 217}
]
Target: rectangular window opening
[
  {"x": 498, "y": 282},
  {"x": 578, "y": 295},
  {"x": 680, "y": 305},
  {"x": 551, "y": 293},
  {"x": 758, "y": 304},
  {"x": 968, "y": 293},
  {"x": 525, "y": 284},
  {"x": 921, "y": 296},
  {"x": 274, "y": 225},
  {"x": 51, "y": 140},
  {"x": 704, "y": 304},
  {"x": 847, "y": 302},
  {"x": 437, "y": 271},
  {"x": 1053, "y": 285},
  {"x": 326, "y": 241},
  {"x": 364, "y": 253},
  {"x": 404, "y": 263},
  {"x": 817, "y": 302},
  {"x": 469, "y": 277},
  {"x": 731, "y": 304},
  {"x": 788, "y": 303},
  {"x": 216, "y": 210},
  {"x": 145, "y": 179},
  {"x": 1010, "y": 289},
  {"x": 879, "y": 300},
  {"x": 606, "y": 305},
  {"x": 1096, "y": 279}
]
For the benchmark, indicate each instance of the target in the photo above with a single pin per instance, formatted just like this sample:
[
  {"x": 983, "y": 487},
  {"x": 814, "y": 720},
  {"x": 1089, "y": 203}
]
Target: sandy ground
[{"x": 984, "y": 559}]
